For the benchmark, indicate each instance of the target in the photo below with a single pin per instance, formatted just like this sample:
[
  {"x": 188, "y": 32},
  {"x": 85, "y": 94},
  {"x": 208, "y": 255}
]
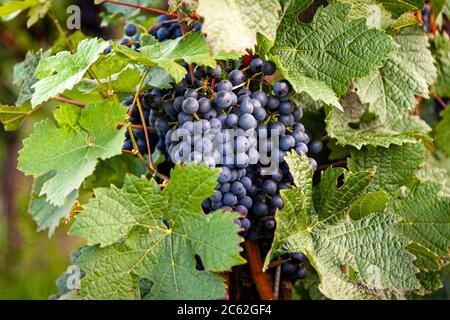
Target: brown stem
[
  {"x": 440, "y": 101},
  {"x": 156, "y": 26},
  {"x": 136, "y": 126},
  {"x": 158, "y": 11},
  {"x": 147, "y": 138},
  {"x": 72, "y": 102},
  {"x": 259, "y": 277}
]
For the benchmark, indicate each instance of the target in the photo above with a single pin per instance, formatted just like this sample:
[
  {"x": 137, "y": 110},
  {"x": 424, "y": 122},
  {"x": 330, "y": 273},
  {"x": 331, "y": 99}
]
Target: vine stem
[
  {"x": 147, "y": 138},
  {"x": 160, "y": 24},
  {"x": 441, "y": 102},
  {"x": 72, "y": 102},
  {"x": 158, "y": 11},
  {"x": 185, "y": 30},
  {"x": 136, "y": 126},
  {"x": 259, "y": 277}
]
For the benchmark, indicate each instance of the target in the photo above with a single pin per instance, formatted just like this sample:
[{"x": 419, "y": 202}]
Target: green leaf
[
  {"x": 376, "y": 256},
  {"x": 232, "y": 25},
  {"x": 357, "y": 127},
  {"x": 329, "y": 50},
  {"x": 168, "y": 54},
  {"x": 72, "y": 153},
  {"x": 391, "y": 91},
  {"x": 395, "y": 166},
  {"x": 375, "y": 14},
  {"x": 24, "y": 75},
  {"x": 331, "y": 203},
  {"x": 37, "y": 10},
  {"x": 368, "y": 203},
  {"x": 113, "y": 171},
  {"x": 45, "y": 214},
  {"x": 12, "y": 117},
  {"x": 158, "y": 78},
  {"x": 149, "y": 250},
  {"x": 399, "y": 7},
  {"x": 425, "y": 218},
  {"x": 124, "y": 81},
  {"x": 442, "y": 54},
  {"x": 64, "y": 70}
]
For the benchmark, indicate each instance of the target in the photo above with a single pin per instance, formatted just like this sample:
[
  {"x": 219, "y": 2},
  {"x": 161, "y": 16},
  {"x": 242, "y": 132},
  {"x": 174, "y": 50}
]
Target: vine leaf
[
  {"x": 167, "y": 54},
  {"x": 398, "y": 7},
  {"x": 425, "y": 218},
  {"x": 160, "y": 253},
  {"x": 374, "y": 256},
  {"x": 391, "y": 91},
  {"x": 24, "y": 75},
  {"x": 424, "y": 212},
  {"x": 45, "y": 214},
  {"x": 37, "y": 10},
  {"x": 357, "y": 127},
  {"x": 395, "y": 165},
  {"x": 328, "y": 52},
  {"x": 64, "y": 70},
  {"x": 232, "y": 25},
  {"x": 442, "y": 54},
  {"x": 12, "y": 117},
  {"x": 72, "y": 152}
]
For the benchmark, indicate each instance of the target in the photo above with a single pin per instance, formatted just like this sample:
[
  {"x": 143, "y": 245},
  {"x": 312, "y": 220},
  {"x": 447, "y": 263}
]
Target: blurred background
[{"x": 30, "y": 262}]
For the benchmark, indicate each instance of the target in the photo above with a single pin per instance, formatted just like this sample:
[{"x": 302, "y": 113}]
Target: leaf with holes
[{"x": 161, "y": 252}]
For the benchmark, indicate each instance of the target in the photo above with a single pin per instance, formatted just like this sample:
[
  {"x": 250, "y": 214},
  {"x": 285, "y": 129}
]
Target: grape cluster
[
  {"x": 193, "y": 122},
  {"x": 227, "y": 117}
]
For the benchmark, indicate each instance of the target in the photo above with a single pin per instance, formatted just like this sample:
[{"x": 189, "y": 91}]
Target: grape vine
[{"x": 221, "y": 150}]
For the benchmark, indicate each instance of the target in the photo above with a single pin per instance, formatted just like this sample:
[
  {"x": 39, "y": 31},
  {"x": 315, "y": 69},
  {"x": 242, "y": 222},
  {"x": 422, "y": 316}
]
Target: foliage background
[{"x": 29, "y": 261}]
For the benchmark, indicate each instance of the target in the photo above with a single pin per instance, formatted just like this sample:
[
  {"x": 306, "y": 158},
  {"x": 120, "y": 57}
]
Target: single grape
[
  {"x": 288, "y": 268},
  {"x": 204, "y": 105},
  {"x": 276, "y": 202},
  {"x": 223, "y": 99},
  {"x": 232, "y": 120},
  {"x": 261, "y": 96},
  {"x": 237, "y": 188},
  {"x": 246, "y": 106},
  {"x": 191, "y": 93},
  {"x": 162, "y": 34},
  {"x": 229, "y": 199},
  {"x": 130, "y": 29},
  {"x": 298, "y": 257},
  {"x": 316, "y": 146},
  {"x": 270, "y": 187},
  {"x": 128, "y": 145},
  {"x": 269, "y": 225},
  {"x": 247, "y": 121},
  {"x": 225, "y": 175},
  {"x": 281, "y": 89},
  {"x": 256, "y": 65},
  {"x": 217, "y": 196},
  {"x": 245, "y": 224},
  {"x": 286, "y": 107},
  {"x": 246, "y": 201},
  {"x": 236, "y": 77},
  {"x": 260, "y": 209},
  {"x": 224, "y": 85},
  {"x": 287, "y": 142},
  {"x": 301, "y": 273},
  {"x": 273, "y": 103},
  {"x": 259, "y": 113},
  {"x": 190, "y": 106},
  {"x": 268, "y": 68}
]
